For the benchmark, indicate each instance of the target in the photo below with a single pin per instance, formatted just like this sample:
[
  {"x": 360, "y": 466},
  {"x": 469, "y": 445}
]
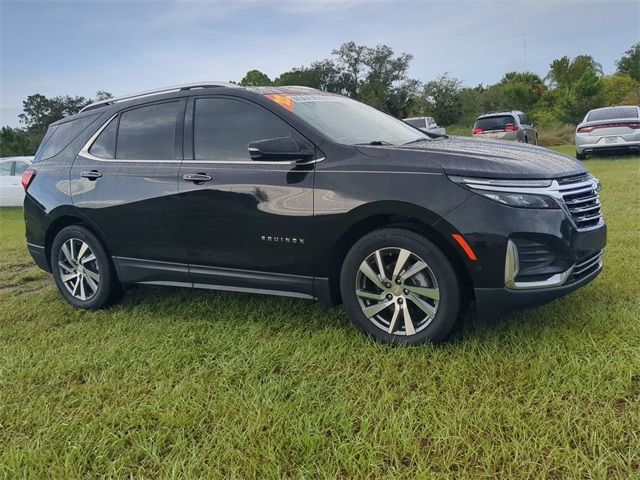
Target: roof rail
[{"x": 157, "y": 91}]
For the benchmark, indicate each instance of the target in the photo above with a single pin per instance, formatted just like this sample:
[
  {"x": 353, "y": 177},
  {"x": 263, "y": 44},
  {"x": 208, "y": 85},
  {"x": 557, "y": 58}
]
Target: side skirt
[{"x": 152, "y": 272}]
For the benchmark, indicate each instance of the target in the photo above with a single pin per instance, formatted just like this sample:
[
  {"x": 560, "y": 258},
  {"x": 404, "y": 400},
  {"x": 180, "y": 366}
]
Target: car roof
[
  {"x": 613, "y": 107},
  {"x": 502, "y": 112}
]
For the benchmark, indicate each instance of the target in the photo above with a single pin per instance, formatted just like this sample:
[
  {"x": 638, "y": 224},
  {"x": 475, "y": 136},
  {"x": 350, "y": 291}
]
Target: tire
[
  {"x": 526, "y": 140},
  {"x": 434, "y": 286},
  {"x": 91, "y": 281},
  {"x": 581, "y": 156}
]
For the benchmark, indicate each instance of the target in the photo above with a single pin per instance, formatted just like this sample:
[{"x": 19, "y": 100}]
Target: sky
[{"x": 79, "y": 47}]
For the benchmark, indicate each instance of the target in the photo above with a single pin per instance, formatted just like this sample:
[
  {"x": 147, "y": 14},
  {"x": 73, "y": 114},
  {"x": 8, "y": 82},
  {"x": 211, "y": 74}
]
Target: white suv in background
[{"x": 609, "y": 129}]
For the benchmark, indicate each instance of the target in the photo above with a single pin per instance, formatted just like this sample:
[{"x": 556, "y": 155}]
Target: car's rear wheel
[
  {"x": 82, "y": 270},
  {"x": 398, "y": 287},
  {"x": 581, "y": 156}
]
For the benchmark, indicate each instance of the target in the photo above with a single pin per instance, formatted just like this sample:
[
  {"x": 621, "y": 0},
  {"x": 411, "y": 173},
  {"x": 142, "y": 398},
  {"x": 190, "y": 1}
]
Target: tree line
[{"x": 379, "y": 77}]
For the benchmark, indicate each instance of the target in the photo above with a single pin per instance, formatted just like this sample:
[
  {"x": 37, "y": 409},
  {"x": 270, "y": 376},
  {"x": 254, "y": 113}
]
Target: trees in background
[
  {"x": 37, "y": 114},
  {"x": 379, "y": 77}
]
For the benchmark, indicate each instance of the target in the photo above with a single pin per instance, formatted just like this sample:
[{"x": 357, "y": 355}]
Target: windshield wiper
[
  {"x": 417, "y": 140},
  {"x": 375, "y": 142}
]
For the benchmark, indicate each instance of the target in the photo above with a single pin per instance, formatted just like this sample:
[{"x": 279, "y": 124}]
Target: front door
[{"x": 245, "y": 224}]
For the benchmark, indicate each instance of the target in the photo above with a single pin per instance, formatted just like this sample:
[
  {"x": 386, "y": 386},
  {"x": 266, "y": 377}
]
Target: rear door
[
  {"x": 125, "y": 181},
  {"x": 248, "y": 224}
]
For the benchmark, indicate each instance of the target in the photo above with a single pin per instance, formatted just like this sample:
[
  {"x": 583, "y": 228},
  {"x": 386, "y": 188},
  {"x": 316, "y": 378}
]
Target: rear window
[
  {"x": 494, "y": 123},
  {"x": 613, "y": 114},
  {"x": 61, "y": 135}
]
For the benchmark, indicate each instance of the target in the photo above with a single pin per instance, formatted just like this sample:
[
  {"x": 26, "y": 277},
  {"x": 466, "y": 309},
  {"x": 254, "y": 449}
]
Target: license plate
[{"x": 611, "y": 140}]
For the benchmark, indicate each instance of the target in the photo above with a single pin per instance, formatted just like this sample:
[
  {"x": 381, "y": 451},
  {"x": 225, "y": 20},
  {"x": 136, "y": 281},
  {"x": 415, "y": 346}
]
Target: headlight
[
  {"x": 515, "y": 193},
  {"x": 523, "y": 200}
]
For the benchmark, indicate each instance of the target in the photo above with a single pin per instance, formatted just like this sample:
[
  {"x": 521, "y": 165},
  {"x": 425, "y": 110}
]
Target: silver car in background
[
  {"x": 513, "y": 125},
  {"x": 11, "y": 190},
  {"x": 426, "y": 124},
  {"x": 609, "y": 129}
]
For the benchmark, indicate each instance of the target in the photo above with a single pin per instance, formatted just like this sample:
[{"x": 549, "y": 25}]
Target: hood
[{"x": 484, "y": 158}]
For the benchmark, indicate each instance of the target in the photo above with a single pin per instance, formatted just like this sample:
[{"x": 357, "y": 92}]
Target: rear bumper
[
  {"x": 491, "y": 303},
  {"x": 39, "y": 256},
  {"x": 587, "y": 145}
]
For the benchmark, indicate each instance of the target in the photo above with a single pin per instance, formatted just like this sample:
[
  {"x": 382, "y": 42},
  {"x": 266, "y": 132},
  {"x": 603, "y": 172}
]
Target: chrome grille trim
[{"x": 588, "y": 264}]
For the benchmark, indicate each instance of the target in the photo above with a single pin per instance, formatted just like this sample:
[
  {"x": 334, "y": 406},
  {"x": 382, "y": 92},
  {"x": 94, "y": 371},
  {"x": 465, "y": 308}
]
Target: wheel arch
[
  {"x": 64, "y": 221},
  {"x": 379, "y": 221}
]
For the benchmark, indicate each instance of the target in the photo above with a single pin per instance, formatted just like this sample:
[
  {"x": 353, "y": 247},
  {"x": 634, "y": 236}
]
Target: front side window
[
  {"x": 223, "y": 128},
  {"x": 146, "y": 133}
]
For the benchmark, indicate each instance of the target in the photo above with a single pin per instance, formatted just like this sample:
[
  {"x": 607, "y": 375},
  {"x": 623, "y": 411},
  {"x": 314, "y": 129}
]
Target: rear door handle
[
  {"x": 197, "y": 177},
  {"x": 91, "y": 175}
]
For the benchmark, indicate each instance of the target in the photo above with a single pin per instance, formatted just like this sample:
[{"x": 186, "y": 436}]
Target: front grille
[
  {"x": 586, "y": 267},
  {"x": 581, "y": 198}
]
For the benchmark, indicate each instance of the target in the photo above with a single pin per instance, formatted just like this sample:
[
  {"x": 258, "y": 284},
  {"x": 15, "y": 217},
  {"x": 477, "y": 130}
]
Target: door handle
[
  {"x": 91, "y": 175},
  {"x": 197, "y": 178}
]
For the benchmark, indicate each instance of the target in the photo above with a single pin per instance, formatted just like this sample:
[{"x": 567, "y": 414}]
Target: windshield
[{"x": 346, "y": 121}]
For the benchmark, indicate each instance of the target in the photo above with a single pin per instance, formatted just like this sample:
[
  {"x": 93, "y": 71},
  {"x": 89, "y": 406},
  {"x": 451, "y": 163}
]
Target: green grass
[{"x": 192, "y": 384}]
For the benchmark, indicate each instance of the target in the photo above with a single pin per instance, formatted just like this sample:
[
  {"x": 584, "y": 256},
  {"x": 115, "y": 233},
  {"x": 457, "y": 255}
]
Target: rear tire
[
  {"x": 416, "y": 302},
  {"x": 83, "y": 271},
  {"x": 581, "y": 156}
]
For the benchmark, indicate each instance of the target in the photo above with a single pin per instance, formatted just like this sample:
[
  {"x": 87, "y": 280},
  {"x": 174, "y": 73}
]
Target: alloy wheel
[
  {"x": 397, "y": 291},
  {"x": 78, "y": 269}
]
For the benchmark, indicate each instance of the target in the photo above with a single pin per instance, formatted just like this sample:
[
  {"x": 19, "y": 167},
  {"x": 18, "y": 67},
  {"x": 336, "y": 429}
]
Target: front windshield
[{"x": 346, "y": 121}]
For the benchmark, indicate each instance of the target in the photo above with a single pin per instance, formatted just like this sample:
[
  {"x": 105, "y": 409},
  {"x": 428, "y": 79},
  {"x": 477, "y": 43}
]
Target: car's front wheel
[
  {"x": 82, "y": 270},
  {"x": 398, "y": 287}
]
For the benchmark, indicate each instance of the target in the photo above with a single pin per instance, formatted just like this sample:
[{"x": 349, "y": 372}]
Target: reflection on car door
[{"x": 245, "y": 223}]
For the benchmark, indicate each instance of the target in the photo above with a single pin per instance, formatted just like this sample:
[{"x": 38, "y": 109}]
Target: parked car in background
[
  {"x": 609, "y": 129},
  {"x": 297, "y": 192},
  {"x": 426, "y": 124},
  {"x": 513, "y": 125},
  {"x": 11, "y": 191}
]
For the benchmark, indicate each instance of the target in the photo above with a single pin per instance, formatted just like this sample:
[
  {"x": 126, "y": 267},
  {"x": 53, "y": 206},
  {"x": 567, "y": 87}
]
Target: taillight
[
  {"x": 476, "y": 130},
  {"x": 510, "y": 127},
  {"x": 591, "y": 128},
  {"x": 27, "y": 177}
]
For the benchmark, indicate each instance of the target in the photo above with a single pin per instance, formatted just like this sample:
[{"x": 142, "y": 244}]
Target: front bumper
[{"x": 491, "y": 303}]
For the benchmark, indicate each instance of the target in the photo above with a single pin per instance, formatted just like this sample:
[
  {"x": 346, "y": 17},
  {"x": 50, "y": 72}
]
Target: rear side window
[
  {"x": 223, "y": 128},
  {"x": 416, "y": 122},
  {"x": 524, "y": 120},
  {"x": 613, "y": 114},
  {"x": 61, "y": 135},
  {"x": 105, "y": 144},
  {"x": 20, "y": 168},
  {"x": 5, "y": 169},
  {"x": 146, "y": 133},
  {"x": 494, "y": 123}
]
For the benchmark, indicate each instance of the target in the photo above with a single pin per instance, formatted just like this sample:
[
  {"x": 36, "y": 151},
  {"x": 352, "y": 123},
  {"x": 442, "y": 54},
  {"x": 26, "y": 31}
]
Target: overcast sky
[{"x": 79, "y": 47}]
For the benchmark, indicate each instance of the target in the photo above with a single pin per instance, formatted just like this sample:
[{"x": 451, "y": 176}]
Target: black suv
[{"x": 297, "y": 192}]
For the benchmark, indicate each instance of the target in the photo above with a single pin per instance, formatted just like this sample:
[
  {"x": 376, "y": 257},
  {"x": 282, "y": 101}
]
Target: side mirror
[{"x": 278, "y": 149}]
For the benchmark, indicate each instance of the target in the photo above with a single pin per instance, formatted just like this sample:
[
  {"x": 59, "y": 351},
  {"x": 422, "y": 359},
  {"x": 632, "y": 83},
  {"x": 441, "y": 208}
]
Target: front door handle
[
  {"x": 91, "y": 175},
  {"x": 198, "y": 178}
]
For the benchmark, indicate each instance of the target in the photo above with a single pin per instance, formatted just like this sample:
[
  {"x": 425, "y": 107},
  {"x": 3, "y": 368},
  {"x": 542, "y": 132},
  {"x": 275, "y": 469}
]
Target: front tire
[
  {"x": 82, "y": 270},
  {"x": 399, "y": 288}
]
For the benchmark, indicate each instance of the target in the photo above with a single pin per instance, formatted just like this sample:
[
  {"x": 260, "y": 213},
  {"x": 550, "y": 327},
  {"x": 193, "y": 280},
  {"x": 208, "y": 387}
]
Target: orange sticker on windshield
[{"x": 282, "y": 100}]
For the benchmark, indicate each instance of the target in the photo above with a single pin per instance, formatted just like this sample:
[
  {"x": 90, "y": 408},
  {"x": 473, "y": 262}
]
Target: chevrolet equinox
[{"x": 298, "y": 192}]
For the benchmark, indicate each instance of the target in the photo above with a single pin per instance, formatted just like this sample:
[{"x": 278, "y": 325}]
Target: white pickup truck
[{"x": 426, "y": 124}]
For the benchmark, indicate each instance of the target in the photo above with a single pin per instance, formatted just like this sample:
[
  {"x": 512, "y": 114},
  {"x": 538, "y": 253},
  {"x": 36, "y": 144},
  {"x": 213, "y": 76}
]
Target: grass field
[{"x": 193, "y": 384}]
